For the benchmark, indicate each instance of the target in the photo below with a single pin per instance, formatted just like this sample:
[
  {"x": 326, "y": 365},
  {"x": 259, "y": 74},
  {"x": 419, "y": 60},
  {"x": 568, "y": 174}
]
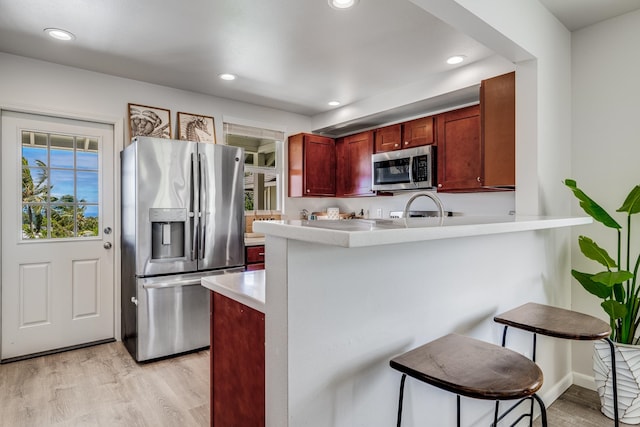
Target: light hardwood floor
[{"x": 104, "y": 386}]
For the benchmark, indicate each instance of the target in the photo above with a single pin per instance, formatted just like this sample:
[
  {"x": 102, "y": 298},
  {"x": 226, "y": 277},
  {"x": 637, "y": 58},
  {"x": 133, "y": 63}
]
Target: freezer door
[
  {"x": 172, "y": 316},
  {"x": 221, "y": 234},
  {"x": 158, "y": 214}
]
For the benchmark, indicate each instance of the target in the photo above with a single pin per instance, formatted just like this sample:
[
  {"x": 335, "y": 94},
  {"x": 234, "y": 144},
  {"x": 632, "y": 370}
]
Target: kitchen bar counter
[
  {"x": 345, "y": 297},
  {"x": 374, "y": 232}
]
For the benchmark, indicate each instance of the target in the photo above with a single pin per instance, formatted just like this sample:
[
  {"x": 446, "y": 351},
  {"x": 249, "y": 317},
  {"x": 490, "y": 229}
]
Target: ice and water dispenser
[{"x": 168, "y": 235}]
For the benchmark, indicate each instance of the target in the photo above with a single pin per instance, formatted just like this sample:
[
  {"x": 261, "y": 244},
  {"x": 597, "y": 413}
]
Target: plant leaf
[
  {"x": 611, "y": 278},
  {"x": 631, "y": 204},
  {"x": 590, "y": 207},
  {"x": 614, "y": 309},
  {"x": 591, "y": 250},
  {"x": 595, "y": 288},
  {"x": 618, "y": 292}
]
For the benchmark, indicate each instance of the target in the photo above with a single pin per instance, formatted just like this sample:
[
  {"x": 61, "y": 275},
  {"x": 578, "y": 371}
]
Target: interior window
[{"x": 262, "y": 165}]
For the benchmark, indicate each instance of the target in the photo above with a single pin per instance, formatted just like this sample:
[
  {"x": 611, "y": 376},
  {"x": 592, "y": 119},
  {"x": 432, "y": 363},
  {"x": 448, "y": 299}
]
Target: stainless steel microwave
[{"x": 407, "y": 169}]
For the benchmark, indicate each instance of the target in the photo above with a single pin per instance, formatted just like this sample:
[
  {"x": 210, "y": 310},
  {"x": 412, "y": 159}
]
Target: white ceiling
[
  {"x": 288, "y": 54},
  {"x": 577, "y": 14}
]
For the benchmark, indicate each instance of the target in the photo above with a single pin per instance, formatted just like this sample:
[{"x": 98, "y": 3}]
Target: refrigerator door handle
[
  {"x": 194, "y": 206},
  {"x": 202, "y": 160},
  {"x": 171, "y": 284}
]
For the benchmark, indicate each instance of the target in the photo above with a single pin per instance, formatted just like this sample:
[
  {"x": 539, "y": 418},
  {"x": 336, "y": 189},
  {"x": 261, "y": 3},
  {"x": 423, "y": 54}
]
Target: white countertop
[
  {"x": 374, "y": 232},
  {"x": 247, "y": 287}
]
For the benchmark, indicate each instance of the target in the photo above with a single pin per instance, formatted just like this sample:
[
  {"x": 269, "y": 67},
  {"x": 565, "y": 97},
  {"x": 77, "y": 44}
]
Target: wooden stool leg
[
  {"x": 404, "y": 377},
  {"x": 615, "y": 382}
]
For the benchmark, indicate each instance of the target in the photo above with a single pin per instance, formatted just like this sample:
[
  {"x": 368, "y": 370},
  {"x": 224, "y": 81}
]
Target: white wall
[
  {"x": 606, "y": 141},
  {"x": 37, "y": 86},
  {"x": 43, "y": 86}
]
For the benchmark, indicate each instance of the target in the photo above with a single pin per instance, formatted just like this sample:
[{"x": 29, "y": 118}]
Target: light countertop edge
[
  {"x": 247, "y": 287},
  {"x": 465, "y": 226}
]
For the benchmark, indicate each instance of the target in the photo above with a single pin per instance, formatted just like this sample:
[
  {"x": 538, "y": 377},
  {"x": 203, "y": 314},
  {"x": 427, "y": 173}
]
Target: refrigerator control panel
[{"x": 167, "y": 215}]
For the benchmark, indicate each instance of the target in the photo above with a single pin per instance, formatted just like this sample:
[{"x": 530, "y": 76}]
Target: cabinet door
[
  {"x": 498, "y": 112},
  {"x": 418, "y": 132},
  {"x": 319, "y": 166},
  {"x": 459, "y": 150},
  {"x": 237, "y": 372},
  {"x": 388, "y": 138},
  {"x": 354, "y": 165},
  {"x": 312, "y": 166}
]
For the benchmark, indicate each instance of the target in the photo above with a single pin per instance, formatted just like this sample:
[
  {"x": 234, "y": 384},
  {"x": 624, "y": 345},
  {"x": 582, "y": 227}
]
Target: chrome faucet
[{"x": 430, "y": 195}]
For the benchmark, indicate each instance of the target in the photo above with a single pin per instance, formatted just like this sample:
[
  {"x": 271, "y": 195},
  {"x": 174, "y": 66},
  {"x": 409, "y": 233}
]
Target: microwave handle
[{"x": 412, "y": 172}]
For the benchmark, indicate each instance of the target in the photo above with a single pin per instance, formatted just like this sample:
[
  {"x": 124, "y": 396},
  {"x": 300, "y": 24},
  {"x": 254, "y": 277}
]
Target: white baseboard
[
  {"x": 585, "y": 381},
  {"x": 555, "y": 391}
]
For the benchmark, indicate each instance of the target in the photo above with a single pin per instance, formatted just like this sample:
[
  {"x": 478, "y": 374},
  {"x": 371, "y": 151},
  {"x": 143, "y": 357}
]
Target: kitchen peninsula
[{"x": 343, "y": 298}]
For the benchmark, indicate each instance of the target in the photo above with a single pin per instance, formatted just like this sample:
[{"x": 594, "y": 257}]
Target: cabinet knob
[
  {"x": 478, "y": 179},
  {"x": 308, "y": 191},
  {"x": 406, "y": 143},
  {"x": 395, "y": 145},
  {"x": 439, "y": 185}
]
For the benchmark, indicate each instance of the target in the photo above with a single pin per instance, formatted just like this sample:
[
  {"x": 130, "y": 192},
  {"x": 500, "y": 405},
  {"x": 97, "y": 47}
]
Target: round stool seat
[
  {"x": 471, "y": 368},
  {"x": 555, "y": 322}
]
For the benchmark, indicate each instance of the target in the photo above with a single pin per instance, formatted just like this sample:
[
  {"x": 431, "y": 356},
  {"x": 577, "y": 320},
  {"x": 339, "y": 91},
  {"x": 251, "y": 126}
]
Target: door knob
[{"x": 107, "y": 245}]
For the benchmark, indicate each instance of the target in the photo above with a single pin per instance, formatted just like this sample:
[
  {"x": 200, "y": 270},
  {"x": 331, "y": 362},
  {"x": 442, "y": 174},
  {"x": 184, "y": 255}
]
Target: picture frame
[
  {"x": 150, "y": 121},
  {"x": 196, "y": 127}
]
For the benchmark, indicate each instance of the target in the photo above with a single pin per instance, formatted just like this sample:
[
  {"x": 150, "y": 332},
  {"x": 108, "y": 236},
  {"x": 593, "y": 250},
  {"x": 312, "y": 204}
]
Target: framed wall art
[
  {"x": 195, "y": 127},
  {"x": 149, "y": 121}
]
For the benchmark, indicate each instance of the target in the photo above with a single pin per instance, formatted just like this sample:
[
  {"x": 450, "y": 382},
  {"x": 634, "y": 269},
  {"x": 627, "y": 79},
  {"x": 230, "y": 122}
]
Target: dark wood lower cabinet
[
  {"x": 237, "y": 364},
  {"x": 254, "y": 257}
]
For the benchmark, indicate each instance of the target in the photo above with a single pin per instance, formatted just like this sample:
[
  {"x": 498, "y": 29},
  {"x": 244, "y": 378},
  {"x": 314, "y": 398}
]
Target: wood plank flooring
[
  {"x": 104, "y": 386},
  {"x": 577, "y": 407}
]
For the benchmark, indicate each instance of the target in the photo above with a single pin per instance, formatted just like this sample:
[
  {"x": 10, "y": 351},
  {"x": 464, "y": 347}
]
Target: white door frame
[{"x": 118, "y": 145}]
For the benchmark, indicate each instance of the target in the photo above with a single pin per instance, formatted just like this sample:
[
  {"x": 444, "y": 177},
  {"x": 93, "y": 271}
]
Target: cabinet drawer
[
  {"x": 253, "y": 267},
  {"x": 255, "y": 254}
]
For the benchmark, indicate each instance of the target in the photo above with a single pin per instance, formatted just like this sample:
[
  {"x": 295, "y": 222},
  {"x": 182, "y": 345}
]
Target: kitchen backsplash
[{"x": 491, "y": 203}]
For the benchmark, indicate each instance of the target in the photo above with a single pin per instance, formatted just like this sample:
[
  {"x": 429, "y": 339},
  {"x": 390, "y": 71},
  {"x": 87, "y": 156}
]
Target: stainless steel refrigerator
[{"x": 182, "y": 219}]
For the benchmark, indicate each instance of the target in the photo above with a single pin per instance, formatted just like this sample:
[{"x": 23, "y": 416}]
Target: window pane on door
[{"x": 60, "y": 186}]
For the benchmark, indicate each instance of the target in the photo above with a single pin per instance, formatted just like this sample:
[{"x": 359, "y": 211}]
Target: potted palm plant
[{"x": 615, "y": 284}]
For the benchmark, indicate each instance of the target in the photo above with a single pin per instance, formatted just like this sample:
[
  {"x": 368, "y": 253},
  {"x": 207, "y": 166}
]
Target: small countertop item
[
  {"x": 247, "y": 287},
  {"x": 375, "y": 232}
]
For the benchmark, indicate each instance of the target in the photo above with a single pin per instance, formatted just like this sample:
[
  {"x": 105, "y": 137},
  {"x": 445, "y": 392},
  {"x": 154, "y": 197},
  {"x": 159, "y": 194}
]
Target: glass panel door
[{"x": 60, "y": 186}]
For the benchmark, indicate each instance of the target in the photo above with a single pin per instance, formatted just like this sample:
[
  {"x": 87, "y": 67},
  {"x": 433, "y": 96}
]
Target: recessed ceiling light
[
  {"x": 342, "y": 4},
  {"x": 227, "y": 76},
  {"x": 456, "y": 59},
  {"x": 59, "y": 34},
  {"x": 334, "y": 103}
]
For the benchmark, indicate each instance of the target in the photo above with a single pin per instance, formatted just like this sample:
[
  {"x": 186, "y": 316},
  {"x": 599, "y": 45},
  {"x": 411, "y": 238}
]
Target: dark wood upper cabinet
[
  {"x": 388, "y": 138},
  {"x": 312, "y": 166},
  {"x": 353, "y": 170},
  {"x": 418, "y": 132},
  {"x": 459, "y": 153},
  {"x": 498, "y": 113},
  {"x": 405, "y": 135}
]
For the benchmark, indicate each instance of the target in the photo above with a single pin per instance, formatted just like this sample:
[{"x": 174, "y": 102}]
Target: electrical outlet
[{"x": 379, "y": 213}]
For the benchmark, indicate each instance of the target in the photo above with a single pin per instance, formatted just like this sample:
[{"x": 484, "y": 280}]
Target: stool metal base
[
  {"x": 496, "y": 417},
  {"x": 468, "y": 367},
  {"x": 616, "y": 419}
]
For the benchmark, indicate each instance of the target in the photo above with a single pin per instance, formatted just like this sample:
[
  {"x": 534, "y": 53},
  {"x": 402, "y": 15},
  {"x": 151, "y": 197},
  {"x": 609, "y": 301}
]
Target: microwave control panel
[{"x": 421, "y": 168}]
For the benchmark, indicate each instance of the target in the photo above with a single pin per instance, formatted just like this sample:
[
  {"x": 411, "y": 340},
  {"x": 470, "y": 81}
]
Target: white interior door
[{"x": 57, "y": 240}]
